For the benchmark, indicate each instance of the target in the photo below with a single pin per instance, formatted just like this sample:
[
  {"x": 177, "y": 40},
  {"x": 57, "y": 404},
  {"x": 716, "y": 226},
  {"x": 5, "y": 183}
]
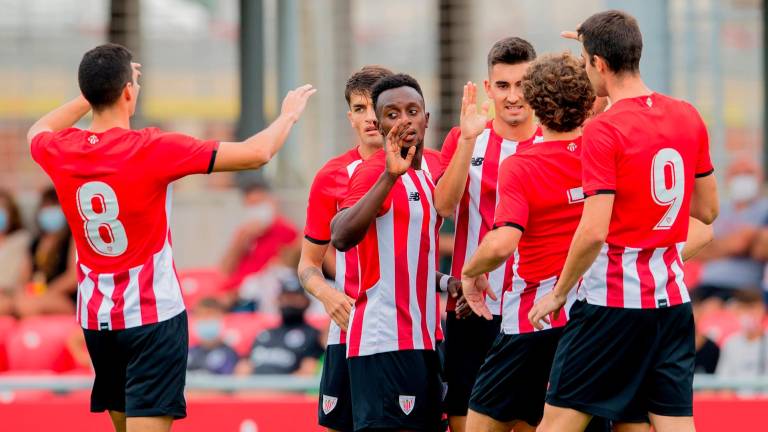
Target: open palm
[{"x": 472, "y": 121}]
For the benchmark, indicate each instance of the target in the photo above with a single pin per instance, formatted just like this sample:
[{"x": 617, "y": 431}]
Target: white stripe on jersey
[
  {"x": 425, "y": 178},
  {"x": 131, "y": 297}
]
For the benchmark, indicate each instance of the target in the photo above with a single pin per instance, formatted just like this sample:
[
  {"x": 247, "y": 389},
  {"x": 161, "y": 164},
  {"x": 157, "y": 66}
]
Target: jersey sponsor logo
[
  {"x": 407, "y": 403},
  {"x": 575, "y": 195},
  {"x": 477, "y": 161},
  {"x": 414, "y": 196},
  {"x": 329, "y": 403}
]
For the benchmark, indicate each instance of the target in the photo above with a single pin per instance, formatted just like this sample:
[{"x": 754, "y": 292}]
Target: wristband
[{"x": 444, "y": 280}]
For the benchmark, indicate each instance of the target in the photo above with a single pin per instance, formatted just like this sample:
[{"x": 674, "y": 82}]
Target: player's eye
[
  {"x": 413, "y": 111},
  {"x": 359, "y": 110},
  {"x": 392, "y": 115}
]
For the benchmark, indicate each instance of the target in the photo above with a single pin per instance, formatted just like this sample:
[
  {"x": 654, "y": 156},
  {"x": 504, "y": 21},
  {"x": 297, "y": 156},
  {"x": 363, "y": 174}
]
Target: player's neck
[
  {"x": 416, "y": 163},
  {"x": 366, "y": 151},
  {"x": 626, "y": 86},
  {"x": 110, "y": 118},
  {"x": 550, "y": 135},
  {"x": 518, "y": 132}
]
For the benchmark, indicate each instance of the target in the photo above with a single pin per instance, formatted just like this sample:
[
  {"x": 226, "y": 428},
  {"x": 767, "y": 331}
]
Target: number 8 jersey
[
  {"x": 648, "y": 151},
  {"x": 115, "y": 190}
]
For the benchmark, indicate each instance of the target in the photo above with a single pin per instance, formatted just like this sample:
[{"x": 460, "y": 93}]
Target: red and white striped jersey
[
  {"x": 648, "y": 151},
  {"x": 475, "y": 212},
  {"x": 540, "y": 194},
  {"x": 397, "y": 307},
  {"x": 325, "y": 196},
  {"x": 115, "y": 189}
]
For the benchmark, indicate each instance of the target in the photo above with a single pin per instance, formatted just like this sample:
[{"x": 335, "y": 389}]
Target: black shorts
[
  {"x": 141, "y": 371},
  {"x": 467, "y": 342},
  {"x": 334, "y": 410},
  {"x": 396, "y": 390},
  {"x": 622, "y": 364},
  {"x": 512, "y": 383}
]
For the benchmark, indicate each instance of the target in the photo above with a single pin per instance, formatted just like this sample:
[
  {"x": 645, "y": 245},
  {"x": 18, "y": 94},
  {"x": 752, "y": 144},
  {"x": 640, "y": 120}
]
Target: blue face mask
[
  {"x": 208, "y": 330},
  {"x": 51, "y": 219},
  {"x": 4, "y": 220}
]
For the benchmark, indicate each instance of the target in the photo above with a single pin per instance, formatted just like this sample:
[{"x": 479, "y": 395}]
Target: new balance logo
[
  {"x": 329, "y": 403},
  {"x": 414, "y": 196},
  {"x": 477, "y": 161},
  {"x": 407, "y": 403}
]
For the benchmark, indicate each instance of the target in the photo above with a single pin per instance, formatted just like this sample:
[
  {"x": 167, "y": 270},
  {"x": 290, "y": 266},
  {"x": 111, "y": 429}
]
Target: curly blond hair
[{"x": 556, "y": 86}]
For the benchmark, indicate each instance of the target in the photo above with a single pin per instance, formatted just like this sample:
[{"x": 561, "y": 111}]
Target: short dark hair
[
  {"x": 393, "y": 82},
  {"x": 511, "y": 51},
  {"x": 615, "y": 36},
  {"x": 362, "y": 81},
  {"x": 103, "y": 73},
  {"x": 557, "y": 87},
  {"x": 748, "y": 296}
]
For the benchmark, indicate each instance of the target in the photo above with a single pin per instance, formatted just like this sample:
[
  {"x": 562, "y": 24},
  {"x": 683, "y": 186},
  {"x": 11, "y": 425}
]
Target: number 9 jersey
[
  {"x": 648, "y": 151},
  {"x": 115, "y": 190}
]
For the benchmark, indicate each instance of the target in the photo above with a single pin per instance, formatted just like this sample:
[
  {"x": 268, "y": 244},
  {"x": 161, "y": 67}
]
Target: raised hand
[
  {"x": 296, "y": 100},
  {"x": 569, "y": 34},
  {"x": 472, "y": 122},
  {"x": 474, "y": 288},
  {"x": 397, "y": 165}
]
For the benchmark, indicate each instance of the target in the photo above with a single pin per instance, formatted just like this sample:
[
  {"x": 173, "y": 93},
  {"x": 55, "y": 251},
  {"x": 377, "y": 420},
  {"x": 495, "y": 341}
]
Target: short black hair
[
  {"x": 615, "y": 36},
  {"x": 393, "y": 82},
  {"x": 362, "y": 81},
  {"x": 103, "y": 73},
  {"x": 511, "y": 51}
]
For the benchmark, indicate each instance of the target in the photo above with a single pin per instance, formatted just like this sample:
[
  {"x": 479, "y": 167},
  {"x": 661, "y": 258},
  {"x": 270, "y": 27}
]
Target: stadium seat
[
  {"x": 37, "y": 344},
  {"x": 197, "y": 284},
  {"x": 7, "y": 326}
]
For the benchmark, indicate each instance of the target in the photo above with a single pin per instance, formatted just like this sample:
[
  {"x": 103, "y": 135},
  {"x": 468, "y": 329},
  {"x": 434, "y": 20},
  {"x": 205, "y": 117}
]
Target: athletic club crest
[
  {"x": 407, "y": 403},
  {"x": 329, "y": 403}
]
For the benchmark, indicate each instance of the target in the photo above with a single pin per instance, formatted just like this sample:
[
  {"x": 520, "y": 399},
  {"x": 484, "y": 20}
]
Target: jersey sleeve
[
  {"x": 362, "y": 181},
  {"x": 704, "y": 165},
  {"x": 37, "y": 148},
  {"x": 321, "y": 208},
  {"x": 177, "y": 155},
  {"x": 448, "y": 149},
  {"x": 513, "y": 200},
  {"x": 598, "y": 158}
]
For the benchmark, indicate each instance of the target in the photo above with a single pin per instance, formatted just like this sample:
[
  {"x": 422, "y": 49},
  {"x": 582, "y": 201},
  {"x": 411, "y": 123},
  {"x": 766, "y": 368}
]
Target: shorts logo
[
  {"x": 329, "y": 403},
  {"x": 407, "y": 403}
]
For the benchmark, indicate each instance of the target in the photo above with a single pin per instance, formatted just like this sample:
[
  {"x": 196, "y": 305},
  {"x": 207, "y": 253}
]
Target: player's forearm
[
  {"x": 60, "y": 118},
  {"x": 699, "y": 236},
  {"x": 311, "y": 274},
  {"x": 451, "y": 186},
  {"x": 492, "y": 252},
  {"x": 350, "y": 225},
  {"x": 583, "y": 251},
  {"x": 268, "y": 142}
]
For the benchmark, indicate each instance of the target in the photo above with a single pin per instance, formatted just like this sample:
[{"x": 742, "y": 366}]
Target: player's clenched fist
[{"x": 296, "y": 100}]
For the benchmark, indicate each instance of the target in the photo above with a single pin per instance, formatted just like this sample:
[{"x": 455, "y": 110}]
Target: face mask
[
  {"x": 51, "y": 219},
  {"x": 292, "y": 315},
  {"x": 208, "y": 330},
  {"x": 263, "y": 213},
  {"x": 743, "y": 187},
  {"x": 3, "y": 220}
]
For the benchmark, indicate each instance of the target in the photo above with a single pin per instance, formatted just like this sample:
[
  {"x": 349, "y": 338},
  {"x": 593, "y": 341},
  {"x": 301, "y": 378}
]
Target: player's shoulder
[
  {"x": 430, "y": 152},
  {"x": 340, "y": 162}
]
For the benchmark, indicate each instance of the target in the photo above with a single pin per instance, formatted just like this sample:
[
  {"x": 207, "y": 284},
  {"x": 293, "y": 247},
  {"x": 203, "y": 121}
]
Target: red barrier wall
[{"x": 281, "y": 413}]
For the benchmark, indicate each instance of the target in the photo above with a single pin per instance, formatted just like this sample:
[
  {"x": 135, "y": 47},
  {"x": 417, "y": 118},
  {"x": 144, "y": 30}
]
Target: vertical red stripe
[
  {"x": 118, "y": 299},
  {"x": 80, "y": 279},
  {"x": 356, "y": 326},
  {"x": 614, "y": 278},
  {"x": 527, "y": 299},
  {"x": 147, "y": 299},
  {"x": 401, "y": 216},
  {"x": 422, "y": 269},
  {"x": 94, "y": 303},
  {"x": 674, "y": 290},
  {"x": 460, "y": 241},
  {"x": 647, "y": 283}
]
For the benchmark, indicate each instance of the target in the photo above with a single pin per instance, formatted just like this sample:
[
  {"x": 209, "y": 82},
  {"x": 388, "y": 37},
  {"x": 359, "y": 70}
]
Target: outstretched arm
[
  {"x": 60, "y": 118},
  {"x": 260, "y": 148}
]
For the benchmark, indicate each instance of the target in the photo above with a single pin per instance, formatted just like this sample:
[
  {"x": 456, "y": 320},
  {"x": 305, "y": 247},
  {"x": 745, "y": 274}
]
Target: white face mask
[
  {"x": 263, "y": 213},
  {"x": 743, "y": 187}
]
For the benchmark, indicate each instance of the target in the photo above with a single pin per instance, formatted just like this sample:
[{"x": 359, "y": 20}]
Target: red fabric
[{"x": 263, "y": 249}]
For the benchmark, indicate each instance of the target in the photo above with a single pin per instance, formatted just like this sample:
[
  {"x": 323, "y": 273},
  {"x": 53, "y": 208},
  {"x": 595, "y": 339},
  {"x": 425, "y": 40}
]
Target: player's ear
[
  {"x": 426, "y": 122},
  {"x": 487, "y": 87},
  {"x": 600, "y": 64},
  {"x": 128, "y": 92},
  {"x": 349, "y": 117}
]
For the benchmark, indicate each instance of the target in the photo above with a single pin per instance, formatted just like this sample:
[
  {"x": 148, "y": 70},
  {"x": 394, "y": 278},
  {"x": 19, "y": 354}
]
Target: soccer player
[
  {"x": 628, "y": 352},
  {"x": 389, "y": 215},
  {"x": 328, "y": 190},
  {"x": 114, "y": 185},
  {"x": 540, "y": 202},
  {"x": 467, "y": 190}
]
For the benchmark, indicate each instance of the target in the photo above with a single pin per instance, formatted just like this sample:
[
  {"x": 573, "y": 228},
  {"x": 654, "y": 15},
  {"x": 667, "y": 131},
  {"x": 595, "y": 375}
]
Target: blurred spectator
[
  {"x": 293, "y": 347},
  {"x": 728, "y": 265},
  {"x": 745, "y": 354},
  {"x": 14, "y": 244},
  {"x": 212, "y": 354},
  {"x": 707, "y": 351},
  {"x": 52, "y": 278},
  {"x": 260, "y": 239}
]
